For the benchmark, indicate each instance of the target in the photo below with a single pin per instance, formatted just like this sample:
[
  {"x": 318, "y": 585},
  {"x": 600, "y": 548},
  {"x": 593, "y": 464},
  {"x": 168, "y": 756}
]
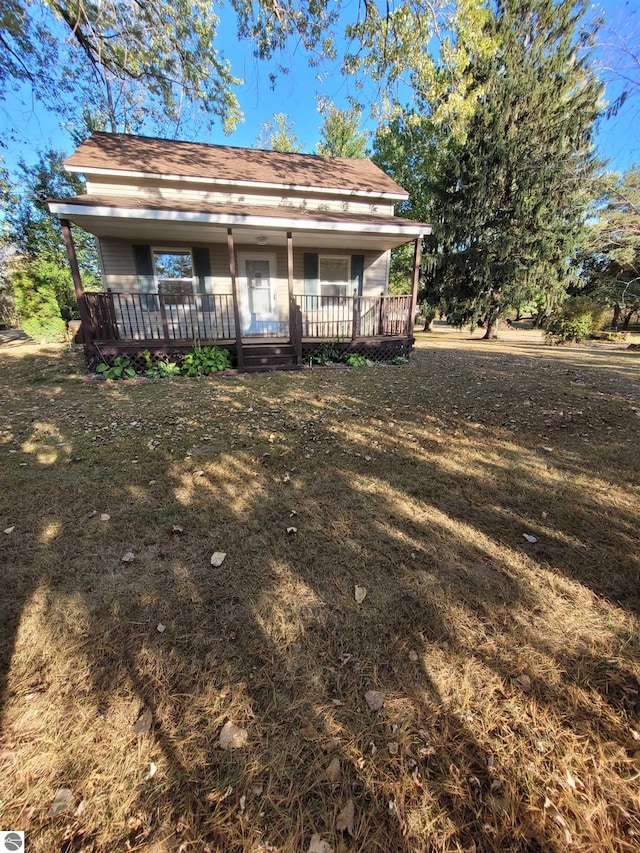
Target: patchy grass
[{"x": 509, "y": 669}]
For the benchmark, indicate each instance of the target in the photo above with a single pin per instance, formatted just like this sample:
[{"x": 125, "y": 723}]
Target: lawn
[{"x": 506, "y": 671}]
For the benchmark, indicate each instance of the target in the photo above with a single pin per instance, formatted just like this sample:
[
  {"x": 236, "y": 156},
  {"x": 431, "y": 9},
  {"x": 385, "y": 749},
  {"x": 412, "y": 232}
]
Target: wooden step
[
  {"x": 266, "y": 360},
  {"x": 268, "y": 349}
]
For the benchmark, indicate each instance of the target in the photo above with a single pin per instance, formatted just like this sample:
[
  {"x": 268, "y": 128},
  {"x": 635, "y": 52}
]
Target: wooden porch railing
[
  {"x": 130, "y": 317},
  {"x": 353, "y": 317},
  {"x": 160, "y": 317}
]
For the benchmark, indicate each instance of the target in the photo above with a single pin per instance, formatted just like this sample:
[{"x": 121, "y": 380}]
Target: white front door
[{"x": 258, "y": 294}]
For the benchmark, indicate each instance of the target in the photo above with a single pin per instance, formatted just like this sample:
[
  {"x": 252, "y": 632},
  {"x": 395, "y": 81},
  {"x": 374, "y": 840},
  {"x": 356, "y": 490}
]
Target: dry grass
[{"x": 510, "y": 670}]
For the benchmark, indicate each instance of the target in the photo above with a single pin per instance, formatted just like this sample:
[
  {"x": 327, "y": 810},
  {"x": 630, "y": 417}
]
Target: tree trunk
[
  {"x": 492, "y": 324},
  {"x": 616, "y": 318},
  {"x": 429, "y": 317},
  {"x": 627, "y": 320}
]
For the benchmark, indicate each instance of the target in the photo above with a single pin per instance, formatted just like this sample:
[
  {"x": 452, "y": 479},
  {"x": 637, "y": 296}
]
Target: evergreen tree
[
  {"x": 610, "y": 262},
  {"x": 33, "y": 230},
  {"x": 500, "y": 156}
]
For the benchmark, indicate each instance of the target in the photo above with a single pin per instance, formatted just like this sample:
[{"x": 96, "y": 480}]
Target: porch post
[
  {"x": 417, "y": 256},
  {"x": 295, "y": 326},
  {"x": 85, "y": 318},
  {"x": 234, "y": 291}
]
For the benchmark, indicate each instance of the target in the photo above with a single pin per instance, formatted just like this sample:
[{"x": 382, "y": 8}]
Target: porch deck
[{"x": 125, "y": 322}]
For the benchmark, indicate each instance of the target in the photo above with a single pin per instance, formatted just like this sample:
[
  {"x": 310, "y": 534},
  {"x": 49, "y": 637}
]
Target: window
[
  {"x": 335, "y": 278},
  {"x": 174, "y": 271}
]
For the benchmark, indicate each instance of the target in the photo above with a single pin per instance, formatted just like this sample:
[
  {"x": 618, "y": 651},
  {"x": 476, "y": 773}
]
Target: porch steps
[{"x": 280, "y": 356}]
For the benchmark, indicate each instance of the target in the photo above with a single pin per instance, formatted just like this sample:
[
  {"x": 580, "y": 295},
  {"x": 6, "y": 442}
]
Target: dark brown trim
[
  {"x": 295, "y": 325},
  {"x": 417, "y": 256},
  {"x": 234, "y": 291},
  {"x": 86, "y": 328}
]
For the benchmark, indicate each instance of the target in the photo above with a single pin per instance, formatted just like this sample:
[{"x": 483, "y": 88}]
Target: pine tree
[
  {"x": 512, "y": 196},
  {"x": 499, "y": 154}
]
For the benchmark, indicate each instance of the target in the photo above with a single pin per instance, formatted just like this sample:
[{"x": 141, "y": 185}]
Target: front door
[{"x": 258, "y": 294}]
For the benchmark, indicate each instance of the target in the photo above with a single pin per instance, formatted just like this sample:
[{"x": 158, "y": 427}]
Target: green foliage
[
  {"x": 498, "y": 153},
  {"x": 610, "y": 261},
  {"x": 35, "y": 232},
  {"x": 163, "y": 370},
  {"x": 278, "y": 135},
  {"x": 326, "y": 354},
  {"x": 35, "y": 285},
  {"x": 399, "y": 360},
  {"x": 356, "y": 360},
  {"x": 340, "y": 133},
  {"x": 578, "y": 318},
  {"x": 119, "y": 65},
  {"x": 401, "y": 270},
  {"x": 120, "y": 370},
  {"x": 205, "y": 360}
]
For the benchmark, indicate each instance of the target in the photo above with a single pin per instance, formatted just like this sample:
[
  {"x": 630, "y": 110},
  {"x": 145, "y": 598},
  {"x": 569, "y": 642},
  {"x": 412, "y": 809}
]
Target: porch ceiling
[{"x": 151, "y": 221}]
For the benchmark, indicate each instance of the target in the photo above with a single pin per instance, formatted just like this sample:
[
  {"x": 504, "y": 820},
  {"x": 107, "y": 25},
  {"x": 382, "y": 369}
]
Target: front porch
[
  {"x": 119, "y": 323},
  {"x": 123, "y": 321}
]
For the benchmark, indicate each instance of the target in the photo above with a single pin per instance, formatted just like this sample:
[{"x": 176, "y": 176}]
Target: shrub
[
  {"x": 205, "y": 360},
  {"x": 575, "y": 320},
  {"x": 34, "y": 285},
  {"x": 121, "y": 369},
  {"x": 326, "y": 354},
  {"x": 355, "y": 360}
]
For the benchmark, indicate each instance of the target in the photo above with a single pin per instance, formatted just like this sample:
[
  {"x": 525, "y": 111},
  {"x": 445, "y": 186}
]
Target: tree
[
  {"x": 340, "y": 133},
  {"x": 124, "y": 64},
  {"x": 32, "y": 229},
  {"x": 499, "y": 156},
  {"x": 610, "y": 262},
  {"x": 278, "y": 135},
  {"x": 34, "y": 283}
]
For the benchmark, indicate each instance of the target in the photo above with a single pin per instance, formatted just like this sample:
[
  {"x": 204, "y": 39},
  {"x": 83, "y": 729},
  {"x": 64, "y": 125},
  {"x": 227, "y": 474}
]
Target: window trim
[
  {"x": 168, "y": 250},
  {"x": 347, "y": 259}
]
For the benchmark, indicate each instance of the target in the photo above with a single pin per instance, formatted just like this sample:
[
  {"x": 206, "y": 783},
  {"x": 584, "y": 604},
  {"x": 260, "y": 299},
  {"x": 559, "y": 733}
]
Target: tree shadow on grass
[{"x": 274, "y": 641}]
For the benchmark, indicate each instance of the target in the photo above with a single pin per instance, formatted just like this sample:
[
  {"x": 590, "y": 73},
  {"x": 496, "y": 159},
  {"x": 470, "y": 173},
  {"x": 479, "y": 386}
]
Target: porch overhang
[{"x": 170, "y": 220}]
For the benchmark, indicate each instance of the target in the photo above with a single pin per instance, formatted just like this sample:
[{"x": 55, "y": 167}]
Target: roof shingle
[{"x": 152, "y": 156}]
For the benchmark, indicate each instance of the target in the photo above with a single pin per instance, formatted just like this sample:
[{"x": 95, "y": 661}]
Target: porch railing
[
  {"x": 160, "y": 317},
  {"x": 353, "y": 317},
  {"x": 118, "y": 316}
]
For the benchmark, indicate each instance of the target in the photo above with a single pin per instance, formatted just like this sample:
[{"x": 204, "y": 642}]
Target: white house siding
[
  {"x": 163, "y": 190},
  {"x": 118, "y": 265},
  {"x": 376, "y": 268}
]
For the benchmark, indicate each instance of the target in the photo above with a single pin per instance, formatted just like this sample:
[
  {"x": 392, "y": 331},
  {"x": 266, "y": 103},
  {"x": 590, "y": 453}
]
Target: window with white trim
[
  {"x": 334, "y": 273},
  {"x": 174, "y": 271}
]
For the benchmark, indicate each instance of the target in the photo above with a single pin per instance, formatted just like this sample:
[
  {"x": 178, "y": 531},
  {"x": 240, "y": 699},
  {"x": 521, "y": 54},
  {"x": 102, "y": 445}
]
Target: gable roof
[{"x": 149, "y": 157}]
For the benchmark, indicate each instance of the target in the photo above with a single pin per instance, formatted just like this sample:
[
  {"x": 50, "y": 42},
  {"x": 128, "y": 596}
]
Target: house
[{"x": 264, "y": 253}]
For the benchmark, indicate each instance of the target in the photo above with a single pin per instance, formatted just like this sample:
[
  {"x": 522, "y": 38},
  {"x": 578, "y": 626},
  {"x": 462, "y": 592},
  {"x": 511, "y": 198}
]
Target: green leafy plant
[
  {"x": 162, "y": 369},
  {"x": 205, "y": 360},
  {"x": 355, "y": 360},
  {"x": 121, "y": 369},
  {"x": 399, "y": 359},
  {"x": 34, "y": 285},
  {"x": 576, "y": 319},
  {"x": 326, "y": 354}
]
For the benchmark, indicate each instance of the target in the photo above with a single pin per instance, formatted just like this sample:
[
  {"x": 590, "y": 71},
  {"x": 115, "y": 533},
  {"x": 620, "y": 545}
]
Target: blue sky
[{"x": 295, "y": 94}]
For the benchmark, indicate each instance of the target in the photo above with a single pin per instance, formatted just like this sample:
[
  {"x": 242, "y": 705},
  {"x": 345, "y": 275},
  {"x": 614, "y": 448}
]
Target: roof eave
[{"x": 404, "y": 228}]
